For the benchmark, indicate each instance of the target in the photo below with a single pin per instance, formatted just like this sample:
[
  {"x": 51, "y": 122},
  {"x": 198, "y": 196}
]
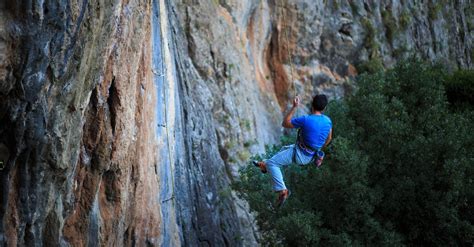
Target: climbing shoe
[
  {"x": 282, "y": 197},
  {"x": 261, "y": 165}
]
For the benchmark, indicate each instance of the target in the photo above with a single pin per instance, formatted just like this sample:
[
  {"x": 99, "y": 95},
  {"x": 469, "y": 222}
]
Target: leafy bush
[
  {"x": 371, "y": 66},
  {"x": 405, "y": 19},
  {"x": 434, "y": 9},
  {"x": 370, "y": 41},
  {"x": 399, "y": 171},
  {"x": 460, "y": 88},
  {"x": 391, "y": 28}
]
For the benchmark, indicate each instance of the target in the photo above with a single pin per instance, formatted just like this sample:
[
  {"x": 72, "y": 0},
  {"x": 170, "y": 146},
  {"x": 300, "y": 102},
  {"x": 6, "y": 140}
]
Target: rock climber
[{"x": 315, "y": 132}]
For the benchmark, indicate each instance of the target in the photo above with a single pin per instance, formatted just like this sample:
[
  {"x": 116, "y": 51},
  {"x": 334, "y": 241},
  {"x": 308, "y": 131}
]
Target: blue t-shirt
[{"x": 314, "y": 129}]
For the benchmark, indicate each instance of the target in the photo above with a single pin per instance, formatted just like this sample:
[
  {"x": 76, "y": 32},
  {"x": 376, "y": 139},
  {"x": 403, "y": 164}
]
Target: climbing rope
[
  {"x": 293, "y": 83},
  {"x": 288, "y": 28},
  {"x": 166, "y": 125}
]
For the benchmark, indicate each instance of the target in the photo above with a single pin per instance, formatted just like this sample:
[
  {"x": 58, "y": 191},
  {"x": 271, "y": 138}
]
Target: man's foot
[
  {"x": 261, "y": 165},
  {"x": 282, "y": 197}
]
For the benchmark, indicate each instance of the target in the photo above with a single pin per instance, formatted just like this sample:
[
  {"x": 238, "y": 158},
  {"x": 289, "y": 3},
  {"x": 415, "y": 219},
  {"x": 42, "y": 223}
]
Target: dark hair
[{"x": 319, "y": 102}]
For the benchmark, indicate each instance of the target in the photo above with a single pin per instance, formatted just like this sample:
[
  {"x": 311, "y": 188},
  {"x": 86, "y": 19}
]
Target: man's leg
[{"x": 274, "y": 164}]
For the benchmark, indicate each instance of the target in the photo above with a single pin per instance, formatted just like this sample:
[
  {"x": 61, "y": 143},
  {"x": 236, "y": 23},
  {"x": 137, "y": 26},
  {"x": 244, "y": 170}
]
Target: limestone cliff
[
  {"x": 237, "y": 59},
  {"x": 77, "y": 127},
  {"x": 124, "y": 122}
]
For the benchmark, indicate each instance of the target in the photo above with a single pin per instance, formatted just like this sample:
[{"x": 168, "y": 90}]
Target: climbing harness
[
  {"x": 317, "y": 154},
  {"x": 299, "y": 143}
]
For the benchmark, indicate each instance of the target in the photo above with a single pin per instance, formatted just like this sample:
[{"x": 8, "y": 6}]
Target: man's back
[{"x": 315, "y": 129}]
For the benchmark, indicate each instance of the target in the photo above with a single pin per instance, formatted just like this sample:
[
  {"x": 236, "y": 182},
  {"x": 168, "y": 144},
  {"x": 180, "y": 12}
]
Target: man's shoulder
[
  {"x": 326, "y": 117},
  {"x": 319, "y": 119}
]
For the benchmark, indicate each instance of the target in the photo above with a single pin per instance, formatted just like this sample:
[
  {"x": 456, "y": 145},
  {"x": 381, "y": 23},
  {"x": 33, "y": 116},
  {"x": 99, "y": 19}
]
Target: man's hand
[
  {"x": 287, "y": 119},
  {"x": 296, "y": 102}
]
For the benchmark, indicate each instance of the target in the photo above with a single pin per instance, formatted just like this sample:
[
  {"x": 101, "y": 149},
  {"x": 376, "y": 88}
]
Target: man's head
[{"x": 319, "y": 102}]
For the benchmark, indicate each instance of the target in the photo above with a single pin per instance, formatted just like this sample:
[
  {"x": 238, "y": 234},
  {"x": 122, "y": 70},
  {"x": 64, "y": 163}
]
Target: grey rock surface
[{"x": 77, "y": 139}]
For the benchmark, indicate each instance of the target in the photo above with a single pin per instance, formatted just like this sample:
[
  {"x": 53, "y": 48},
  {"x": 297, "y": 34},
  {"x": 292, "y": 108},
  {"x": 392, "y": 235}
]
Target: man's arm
[
  {"x": 287, "y": 119},
  {"x": 328, "y": 140}
]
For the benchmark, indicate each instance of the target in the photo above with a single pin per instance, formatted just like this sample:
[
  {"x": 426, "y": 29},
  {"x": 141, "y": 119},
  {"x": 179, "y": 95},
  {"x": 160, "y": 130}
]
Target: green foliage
[
  {"x": 370, "y": 37},
  {"x": 405, "y": 19},
  {"x": 245, "y": 124},
  {"x": 470, "y": 25},
  {"x": 460, "y": 88},
  {"x": 399, "y": 171},
  {"x": 230, "y": 144},
  {"x": 469, "y": 12},
  {"x": 391, "y": 27},
  {"x": 229, "y": 69},
  {"x": 243, "y": 155},
  {"x": 371, "y": 66},
  {"x": 424, "y": 162},
  {"x": 247, "y": 144},
  {"x": 401, "y": 51},
  {"x": 225, "y": 193},
  {"x": 232, "y": 159},
  {"x": 434, "y": 9},
  {"x": 288, "y": 138}
]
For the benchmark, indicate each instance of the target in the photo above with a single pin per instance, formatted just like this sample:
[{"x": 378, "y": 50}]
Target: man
[{"x": 315, "y": 133}]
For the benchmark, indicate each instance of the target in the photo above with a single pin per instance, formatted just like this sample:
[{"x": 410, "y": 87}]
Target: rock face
[
  {"x": 80, "y": 145},
  {"x": 236, "y": 61},
  {"x": 124, "y": 122}
]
